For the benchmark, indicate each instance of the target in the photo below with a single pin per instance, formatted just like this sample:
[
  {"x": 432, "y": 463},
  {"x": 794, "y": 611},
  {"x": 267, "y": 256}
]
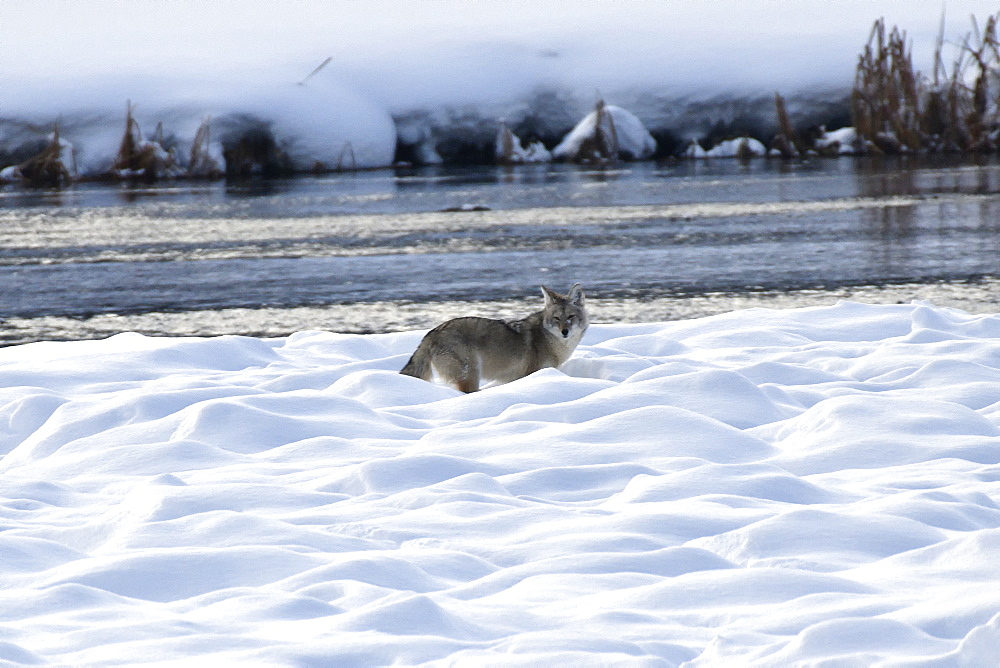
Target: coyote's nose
[{"x": 565, "y": 332}]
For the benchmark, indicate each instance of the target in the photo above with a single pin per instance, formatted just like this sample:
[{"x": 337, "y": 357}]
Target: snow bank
[
  {"x": 259, "y": 119},
  {"x": 678, "y": 66},
  {"x": 767, "y": 487}
]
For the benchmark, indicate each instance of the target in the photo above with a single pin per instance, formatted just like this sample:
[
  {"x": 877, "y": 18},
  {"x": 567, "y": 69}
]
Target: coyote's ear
[
  {"x": 575, "y": 295},
  {"x": 549, "y": 295}
]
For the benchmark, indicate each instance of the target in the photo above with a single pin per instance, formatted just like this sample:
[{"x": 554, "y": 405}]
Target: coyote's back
[{"x": 465, "y": 351}]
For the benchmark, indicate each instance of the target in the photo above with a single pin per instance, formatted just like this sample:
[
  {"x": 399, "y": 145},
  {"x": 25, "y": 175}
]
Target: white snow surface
[{"x": 755, "y": 488}]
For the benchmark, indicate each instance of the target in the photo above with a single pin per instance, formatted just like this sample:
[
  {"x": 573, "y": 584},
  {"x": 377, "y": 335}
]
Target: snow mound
[
  {"x": 741, "y": 147},
  {"x": 511, "y": 150},
  {"x": 844, "y": 141},
  {"x": 802, "y": 487},
  {"x": 609, "y": 132}
]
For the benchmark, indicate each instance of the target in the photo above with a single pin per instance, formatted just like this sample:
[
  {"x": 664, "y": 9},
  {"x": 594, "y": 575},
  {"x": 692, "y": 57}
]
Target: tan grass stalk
[
  {"x": 347, "y": 150},
  {"x": 505, "y": 146},
  {"x": 201, "y": 164},
  {"x": 785, "y": 141},
  {"x": 135, "y": 158},
  {"x": 46, "y": 169}
]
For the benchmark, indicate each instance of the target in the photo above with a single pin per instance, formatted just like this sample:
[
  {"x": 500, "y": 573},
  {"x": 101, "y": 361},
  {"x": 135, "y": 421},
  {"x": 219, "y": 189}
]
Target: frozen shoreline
[
  {"x": 444, "y": 96},
  {"x": 976, "y": 297}
]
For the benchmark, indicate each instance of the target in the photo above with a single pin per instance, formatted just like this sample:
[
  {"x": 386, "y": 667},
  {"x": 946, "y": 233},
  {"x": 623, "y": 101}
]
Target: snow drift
[
  {"x": 607, "y": 133},
  {"x": 767, "y": 487}
]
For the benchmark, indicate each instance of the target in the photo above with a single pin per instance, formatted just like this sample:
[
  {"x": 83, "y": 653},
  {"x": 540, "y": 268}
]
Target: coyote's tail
[{"x": 418, "y": 366}]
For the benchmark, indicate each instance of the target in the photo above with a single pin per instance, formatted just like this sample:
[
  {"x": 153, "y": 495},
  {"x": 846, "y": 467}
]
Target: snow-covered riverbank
[{"x": 315, "y": 86}]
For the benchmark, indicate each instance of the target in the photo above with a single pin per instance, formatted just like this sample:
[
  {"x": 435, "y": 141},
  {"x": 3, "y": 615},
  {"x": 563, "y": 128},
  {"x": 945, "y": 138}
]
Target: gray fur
[{"x": 466, "y": 351}]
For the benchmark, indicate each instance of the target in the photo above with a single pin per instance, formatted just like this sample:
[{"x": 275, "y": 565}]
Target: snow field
[{"x": 760, "y": 487}]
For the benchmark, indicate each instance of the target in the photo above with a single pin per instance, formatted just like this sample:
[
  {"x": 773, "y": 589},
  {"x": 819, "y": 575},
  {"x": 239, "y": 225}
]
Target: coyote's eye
[{"x": 569, "y": 320}]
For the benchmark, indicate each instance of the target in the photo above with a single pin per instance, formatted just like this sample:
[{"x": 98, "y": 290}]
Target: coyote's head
[{"x": 565, "y": 316}]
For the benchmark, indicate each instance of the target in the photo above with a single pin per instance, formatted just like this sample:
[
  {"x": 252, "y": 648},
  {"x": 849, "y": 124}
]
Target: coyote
[{"x": 465, "y": 351}]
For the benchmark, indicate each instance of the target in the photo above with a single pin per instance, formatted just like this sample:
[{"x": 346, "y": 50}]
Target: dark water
[{"x": 639, "y": 230}]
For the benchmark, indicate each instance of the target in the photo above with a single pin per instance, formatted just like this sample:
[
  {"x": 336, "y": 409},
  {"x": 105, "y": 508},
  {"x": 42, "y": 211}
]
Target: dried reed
[
  {"x": 602, "y": 146},
  {"x": 47, "y": 169},
  {"x": 785, "y": 142},
  {"x": 201, "y": 163},
  {"x": 606, "y": 134},
  {"x": 505, "y": 153},
  {"x": 896, "y": 109},
  {"x": 346, "y": 151},
  {"x": 138, "y": 159}
]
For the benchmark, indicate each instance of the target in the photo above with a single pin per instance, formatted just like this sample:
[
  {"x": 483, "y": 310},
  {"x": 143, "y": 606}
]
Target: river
[{"x": 204, "y": 251}]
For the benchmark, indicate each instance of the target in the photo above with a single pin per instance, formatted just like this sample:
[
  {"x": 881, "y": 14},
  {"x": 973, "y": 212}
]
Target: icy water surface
[{"x": 639, "y": 232}]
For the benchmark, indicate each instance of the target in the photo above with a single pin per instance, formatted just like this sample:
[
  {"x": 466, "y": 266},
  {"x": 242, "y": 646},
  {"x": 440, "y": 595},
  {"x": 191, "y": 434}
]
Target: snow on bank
[
  {"x": 741, "y": 147},
  {"x": 679, "y": 66},
  {"x": 256, "y": 117},
  {"x": 844, "y": 141},
  {"x": 509, "y": 149},
  {"x": 768, "y": 486},
  {"x": 608, "y": 132}
]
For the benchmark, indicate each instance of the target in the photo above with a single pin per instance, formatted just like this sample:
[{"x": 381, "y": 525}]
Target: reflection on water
[
  {"x": 439, "y": 187},
  {"x": 892, "y": 227},
  {"x": 947, "y": 229},
  {"x": 637, "y": 231}
]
